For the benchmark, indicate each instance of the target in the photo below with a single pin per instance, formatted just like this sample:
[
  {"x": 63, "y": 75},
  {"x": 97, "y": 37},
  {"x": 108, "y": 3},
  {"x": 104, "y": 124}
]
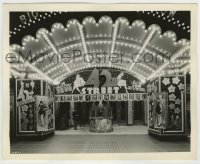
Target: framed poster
[
  {"x": 42, "y": 112},
  {"x": 160, "y": 105},
  {"x": 26, "y": 89},
  {"x": 45, "y": 113},
  {"x": 51, "y": 115},
  {"x": 26, "y": 117}
]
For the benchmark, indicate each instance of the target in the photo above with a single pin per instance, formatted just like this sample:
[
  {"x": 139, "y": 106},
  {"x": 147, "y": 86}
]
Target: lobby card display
[
  {"x": 160, "y": 111},
  {"x": 26, "y": 117}
]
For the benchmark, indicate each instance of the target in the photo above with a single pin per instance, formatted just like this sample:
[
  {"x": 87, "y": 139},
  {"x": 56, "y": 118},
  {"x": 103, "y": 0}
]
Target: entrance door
[
  {"x": 83, "y": 109},
  {"x": 62, "y": 116},
  {"x": 123, "y": 113},
  {"x": 119, "y": 112},
  {"x": 138, "y": 112},
  {"x": 114, "y": 112}
]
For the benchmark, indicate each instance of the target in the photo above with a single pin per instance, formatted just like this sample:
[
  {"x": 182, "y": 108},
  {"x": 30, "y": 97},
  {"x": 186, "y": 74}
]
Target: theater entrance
[
  {"x": 83, "y": 109},
  {"x": 122, "y": 114},
  {"x": 119, "y": 112},
  {"x": 138, "y": 112}
]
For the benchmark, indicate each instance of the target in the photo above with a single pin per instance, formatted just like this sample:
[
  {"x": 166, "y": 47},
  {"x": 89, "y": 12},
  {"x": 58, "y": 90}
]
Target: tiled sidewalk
[
  {"x": 116, "y": 130},
  {"x": 118, "y": 143}
]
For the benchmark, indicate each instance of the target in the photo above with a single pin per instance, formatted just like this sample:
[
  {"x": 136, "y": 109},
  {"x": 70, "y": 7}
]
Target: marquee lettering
[{"x": 102, "y": 90}]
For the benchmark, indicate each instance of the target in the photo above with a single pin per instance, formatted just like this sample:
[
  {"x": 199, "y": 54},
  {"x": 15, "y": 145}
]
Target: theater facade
[{"x": 112, "y": 68}]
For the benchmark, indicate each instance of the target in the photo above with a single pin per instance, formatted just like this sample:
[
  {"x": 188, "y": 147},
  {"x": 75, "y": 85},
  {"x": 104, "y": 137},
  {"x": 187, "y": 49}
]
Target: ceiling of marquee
[{"x": 104, "y": 36}]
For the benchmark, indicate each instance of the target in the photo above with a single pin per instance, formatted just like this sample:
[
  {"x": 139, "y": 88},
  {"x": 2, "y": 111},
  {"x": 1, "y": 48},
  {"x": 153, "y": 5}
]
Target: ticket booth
[{"x": 100, "y": 117}]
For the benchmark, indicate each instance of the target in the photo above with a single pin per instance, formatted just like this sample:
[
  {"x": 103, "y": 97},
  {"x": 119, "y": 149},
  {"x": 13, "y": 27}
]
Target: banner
[{"x": 101, "y": 97}]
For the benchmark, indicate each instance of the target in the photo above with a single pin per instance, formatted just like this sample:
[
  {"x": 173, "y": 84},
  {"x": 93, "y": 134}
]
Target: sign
[
  {"x": 100, "y": 82},
  {"x": 100, "y": 97}
]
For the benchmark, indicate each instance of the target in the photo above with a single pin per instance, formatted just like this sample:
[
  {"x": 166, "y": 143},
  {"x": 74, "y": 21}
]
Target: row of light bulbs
[
  {"x": 100, "y": 35},
  {"x": 173, "y": 58},
  {"x": 55, "y": 68},
  {"x": 170, "y": 34}
]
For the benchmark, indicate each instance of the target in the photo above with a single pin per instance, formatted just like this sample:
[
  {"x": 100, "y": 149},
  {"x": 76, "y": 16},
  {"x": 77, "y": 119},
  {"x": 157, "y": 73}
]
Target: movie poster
[
  {"x": 42, "y": 110},
  {"x": 48, "y": 90},
  {"x": 27, "y": 89},
  {"x": 45, "y": 113},
  {"x": 26, "y": 117},
  {"x": 160, "y": 105},
  {"x": 50, "y": 115}
]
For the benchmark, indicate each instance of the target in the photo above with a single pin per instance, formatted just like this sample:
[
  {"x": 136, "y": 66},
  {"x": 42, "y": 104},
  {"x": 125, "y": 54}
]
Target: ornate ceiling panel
[{"x": 91, "y": 40}]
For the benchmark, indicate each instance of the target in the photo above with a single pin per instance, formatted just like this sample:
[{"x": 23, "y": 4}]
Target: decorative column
[
  {"x": 130, "y": 113},
  {"x": 83, "y": 112},
  {"x": 143, "y": 117},
  {"x": 145, "y": 111},
  {"x": 133, "y": 108},
  {"x": 118, "y": 112},
  {"x": 71, "y": 111}
]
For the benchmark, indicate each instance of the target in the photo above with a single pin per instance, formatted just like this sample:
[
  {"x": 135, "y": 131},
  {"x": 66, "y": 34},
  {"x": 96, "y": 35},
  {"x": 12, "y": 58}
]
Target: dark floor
[{"x": 99, "y": 144}]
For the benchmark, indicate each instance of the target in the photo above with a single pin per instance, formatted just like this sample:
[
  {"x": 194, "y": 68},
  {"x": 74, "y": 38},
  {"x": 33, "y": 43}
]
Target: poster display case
[
  {"x": 34, "y": 108},
  {"x": 167, "y": 106}
]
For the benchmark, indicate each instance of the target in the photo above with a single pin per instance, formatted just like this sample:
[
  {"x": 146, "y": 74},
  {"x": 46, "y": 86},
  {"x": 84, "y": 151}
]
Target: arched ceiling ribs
[
  {"x": 26, "y": 63},
  {"x": 114, "y": 36},
  {"x": 80, "y": 28},
  {"x": 53, "y": 47},
  {"x": 143, "y": 47},
  {"x": 61, "y": 77},
  {"x": 104, "y": 36},
  {"x": 166, "y": 63}
]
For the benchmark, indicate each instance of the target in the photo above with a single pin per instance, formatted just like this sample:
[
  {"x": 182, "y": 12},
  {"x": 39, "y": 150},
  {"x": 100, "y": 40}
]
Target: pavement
[{"x": 122, "y": 140}]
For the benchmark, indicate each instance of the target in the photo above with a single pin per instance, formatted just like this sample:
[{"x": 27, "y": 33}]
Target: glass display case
[{"x": 100, "y": 117}]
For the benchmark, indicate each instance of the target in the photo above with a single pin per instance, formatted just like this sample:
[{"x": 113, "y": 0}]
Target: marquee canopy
[{"x": 161, "y": 53}]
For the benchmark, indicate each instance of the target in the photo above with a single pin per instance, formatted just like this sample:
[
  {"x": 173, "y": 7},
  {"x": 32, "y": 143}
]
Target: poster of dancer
[
  {"x": 160, "y": 110},
  {"x": 50, "y": 115},
  {"x": 42, "y": 113}
]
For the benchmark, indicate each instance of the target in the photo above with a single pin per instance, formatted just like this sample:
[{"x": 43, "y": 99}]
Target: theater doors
[
  {"x": 120, "y": 113},
  {"x": 138, "y": 112}
]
